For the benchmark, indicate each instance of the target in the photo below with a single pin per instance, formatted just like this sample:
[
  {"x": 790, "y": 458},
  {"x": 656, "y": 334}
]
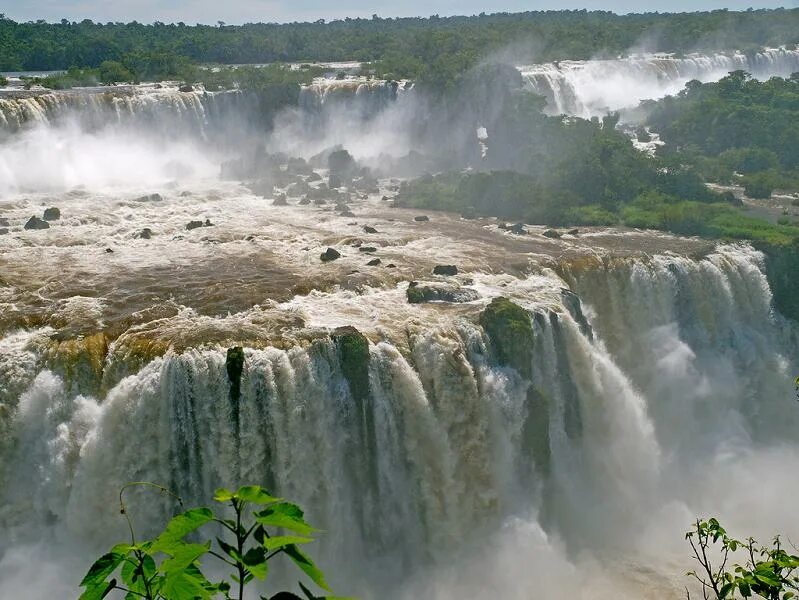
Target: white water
[
  {"x": 595, "y": 87},
  {"x": 680, "y": 405}
]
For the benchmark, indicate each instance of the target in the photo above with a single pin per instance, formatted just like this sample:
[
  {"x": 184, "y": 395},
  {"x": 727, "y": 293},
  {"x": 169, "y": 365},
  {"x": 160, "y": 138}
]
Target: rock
[
  {"x": 314, "y": 176},
  {"x": 347, "y": 213},
  {"x": 510, "y": 330},
  {"x": 421, "y": 219},
  {"x": 356, "y": 243},
  {"x": 3, "y": 231},
  {"x": 37, "y": 223},
  {"x": 552, "y": 234},
  {"x": 280, "y": 200},
  {"x": 439, "y": 292},
  {"x": 334, "y": 181},
  {"x": 330, "y": 254},
  {"x": 369, "y": 229},
  {"x": 234, "y": 365},
  {"x": 149, "y": 198},
  {"x": 319, "y": 201},
  {"x": 572, "y": 303},
  {"x": 502, "y": 225},
  {"x": 304, "y": 202},
  {"x": 573, "y": 232},
  {"x": 391, "y": 266},
  {"x": 341, "y": 207},
  {"x": 4, "y": 222},
  {"x": 193, "y": 225},
  {"x": 367, "y": 249},
  {"x": 445, "y": 270},
  {"x": 295, "y": 190},
  {"x": 518, "y": 229},
  {"x": 353, "y": 350},
  {"x": 185, "y": 194},
  {"x": 51, "y": 214},
  {"x": 208, "y": 223},
  {"x": 109, "y": 251},
  {"x": 186, "y": 88},
  {"x": 144, "y": 234},
  {"x": 374, "y": 262}
]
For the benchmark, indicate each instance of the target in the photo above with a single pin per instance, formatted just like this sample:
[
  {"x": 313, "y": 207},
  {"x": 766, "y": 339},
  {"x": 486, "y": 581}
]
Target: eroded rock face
[
  {"x": 510, "y": 331},
  {"x": 418, "y": 293}
]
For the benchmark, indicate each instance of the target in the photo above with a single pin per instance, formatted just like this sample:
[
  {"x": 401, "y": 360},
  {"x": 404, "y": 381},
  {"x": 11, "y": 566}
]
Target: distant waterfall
[
  {"x": 127, "y": 106},
  {"x": 666, "y": 361},
  {"x": 594, "y": 87}
]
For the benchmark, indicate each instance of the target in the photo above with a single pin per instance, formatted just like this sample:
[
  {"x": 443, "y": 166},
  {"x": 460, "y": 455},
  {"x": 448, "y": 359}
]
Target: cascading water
[
  {"x": 421, "y": 453},
  {"x": 595, "y": 87}
]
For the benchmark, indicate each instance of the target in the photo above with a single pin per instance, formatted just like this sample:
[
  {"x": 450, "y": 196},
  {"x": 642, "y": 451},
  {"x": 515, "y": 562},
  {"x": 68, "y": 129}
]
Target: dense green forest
[
  {"x": 738, "y": 130},
  {"x": 407, "y": 45},
  {"x": 578, "y": 172}
]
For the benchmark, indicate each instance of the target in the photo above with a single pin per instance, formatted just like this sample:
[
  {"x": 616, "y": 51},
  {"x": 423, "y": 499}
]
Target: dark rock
[
  {"x": 193, "y": 225},
  {"x": 3, "y": 231},
  {"x": 353, "y": 349},
  {"x": 51, "y": 214},
  {"x": 296, "y": 190},
  {"x": 109, "y": 251},
  {"x": 319, "y": 201},
  {"x": 186, "y": 88},
  {"x": 234, "y": 365},
  {"x": 280, "y": 200},
  {"x": 145, "y": 234},
  {"x": 374, "y": 262},
  {"x": 208, "y": 223},
  {"x": 439, "y": 292},
  {"x": 37, "y": 223},
  {"x": 347, "y": 213},
  {"x": 572, "y": 303},
  {"x": 330, "y": 254},
  {"x": 445, "y": 270},
  {"x": 304, "y": 202},
  {"x": 552, "y": 234},
  {"x": 369, "y": 229},
  {"x": 314, "y": 176},
  {"x": 518, "y": 229},
  {"x": 4, "y": 222},
  {"x": 149, "y": 198},
  {"x": 510, "y": 330},
  {"x": 573, "y": 232},
  {"x": 367, "y": 249},
  {"x": 421, "y": 219},
  {"x": 391, "y": 266},
  {"x": 334, "y": 181},
  {"x": 502, "y": 225}
]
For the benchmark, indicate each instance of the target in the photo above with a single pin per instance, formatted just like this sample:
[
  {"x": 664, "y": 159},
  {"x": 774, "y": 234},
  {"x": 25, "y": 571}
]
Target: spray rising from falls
[
  {"x": 594, "y": 87},
  {"x": 411, "y": 448}
]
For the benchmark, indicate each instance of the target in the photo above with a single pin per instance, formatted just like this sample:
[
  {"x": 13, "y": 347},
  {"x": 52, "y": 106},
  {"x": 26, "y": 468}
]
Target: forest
[{"x": 406, "y": 46}]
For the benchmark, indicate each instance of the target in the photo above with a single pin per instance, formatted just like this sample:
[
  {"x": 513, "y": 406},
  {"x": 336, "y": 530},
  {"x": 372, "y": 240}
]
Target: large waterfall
[
  {"x": 594, "y": 87},
  {"x": 660, "y": 390}
]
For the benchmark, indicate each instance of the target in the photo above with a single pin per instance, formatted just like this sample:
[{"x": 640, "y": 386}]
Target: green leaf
[
  {"x": 281, "y": 541},
  {"x": 310, "y": 595},
  {"x": 286, "y": 516},
  {"x": 99, "y": 591},
  {"x": 223, "y": 495},
  {"x": 231, "y": 551},
  {"x": 102, "y": 568},
  {"x": 182, "y": 585},
  {"x": 307, "y": 566},
  {"x": 255, "y": 494},
  {"x": 725, "y": 590},
  {"x": 179, "y": 527},
  {"x": 184, "y": 556},
  {"x": 255, "y": 561}
]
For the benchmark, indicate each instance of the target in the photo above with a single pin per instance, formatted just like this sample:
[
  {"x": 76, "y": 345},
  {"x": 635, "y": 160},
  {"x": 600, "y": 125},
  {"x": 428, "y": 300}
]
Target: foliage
[
  {"x": 769, "y": 571},
  {"x": 168, "y": 567},
  {"x": 737, "y": 130},
  {"x": 3, "y": 81},
  {"x": 409, "y": 47}
]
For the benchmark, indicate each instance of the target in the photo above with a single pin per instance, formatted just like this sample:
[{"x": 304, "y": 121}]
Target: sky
[{"x": 243, "y": 11}]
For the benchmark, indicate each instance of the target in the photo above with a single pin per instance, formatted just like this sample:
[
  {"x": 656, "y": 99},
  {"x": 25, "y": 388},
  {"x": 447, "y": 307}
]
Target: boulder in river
[
  {"x": 368, "y": 249},
  {"x": 3, "y": 231},
  {"x": 374, "y": 262},
  {"x": 330, "y": 254},
  {"x": 52, "y": 214},
  {"x": 149, "y": 198},
  {"x": 193, "y": 225},
  {"x": 4, "y": 222},
  {"x": 37, "y": 223},
  {"x": 421, "y": 219},
  {"x": 518, "y": 229},
  {"x": 445, "y": 270},
  {"x": 552, "y": 234},
  {"x": 369, "y": 229},
  {"x": 280, "y": 200},
  {"x": 144, "y": 234},
  {"x": 186, "y": 88},
  {"x": 439, "y": 292}
]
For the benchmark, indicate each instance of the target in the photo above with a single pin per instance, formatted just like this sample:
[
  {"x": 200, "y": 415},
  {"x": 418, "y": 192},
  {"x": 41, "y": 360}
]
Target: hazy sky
[{"x": 239, "y": 11}]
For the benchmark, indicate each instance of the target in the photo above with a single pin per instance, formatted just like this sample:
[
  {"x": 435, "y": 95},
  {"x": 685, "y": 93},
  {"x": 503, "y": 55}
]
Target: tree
[
  {"x": 769, "y": 571},
  {"x": 168, "y": 567}
]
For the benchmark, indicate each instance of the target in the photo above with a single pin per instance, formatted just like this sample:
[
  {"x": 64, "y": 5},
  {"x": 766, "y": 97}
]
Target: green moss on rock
[
  {"x": 782, "y": 268},
  {"x": 353, "y": 349},
  {"x": 510, "y": 331}
]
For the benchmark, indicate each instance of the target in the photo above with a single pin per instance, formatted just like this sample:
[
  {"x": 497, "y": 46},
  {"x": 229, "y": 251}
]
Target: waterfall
[
  {"x": 94, "y": 108},
  {"x": 657, "y": 368},
  {"x": 595, "y": 87}
]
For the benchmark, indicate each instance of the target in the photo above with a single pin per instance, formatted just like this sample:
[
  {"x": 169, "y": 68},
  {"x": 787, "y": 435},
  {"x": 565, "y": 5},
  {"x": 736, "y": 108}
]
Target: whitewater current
[{"x": 656, "y": 385}]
